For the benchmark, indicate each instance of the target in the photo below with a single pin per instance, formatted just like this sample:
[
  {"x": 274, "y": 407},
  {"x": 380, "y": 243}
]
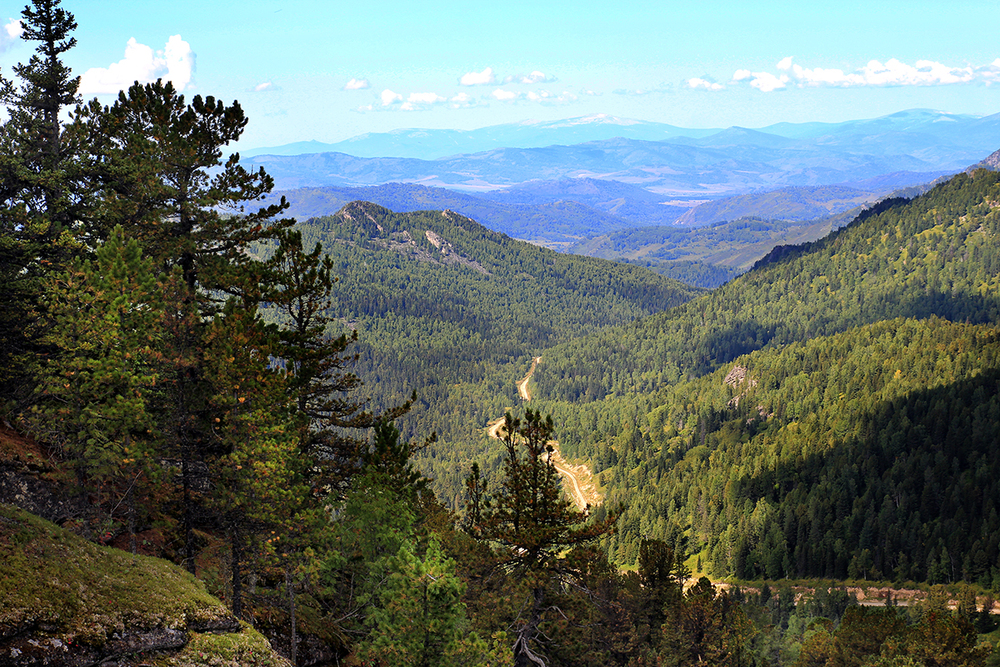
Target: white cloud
[
  {"x": 357, "y": 84},
  {"x": 424, "y": 98},
  {"x": 990, "y": 73},
  {"x": 925, "y": 73},
  {"x": 764, "y": 81},
  {"x": 483, "y": 78},
  {"x": 546, "y": 97},
  {"x": 11, "y": 32},
  {"x": 394, "y": 101},
  {"x": 265, "y": 87},
  {"x": 703, "y": 84},
  {"x": 503, "y": 95},
  {"x": 176, "y": 63},
  {"x": 180, "y": 61},
  {"x": 463, "y": 101},
  {"x": 418, "y": 101},
  {"x": 389, "y": 98},
  {"x": 591, "y": 93},
  {"x": 876, "y": 73},
  {"x": 534, "y": 77},
  {"x": 635, "y": 92}
]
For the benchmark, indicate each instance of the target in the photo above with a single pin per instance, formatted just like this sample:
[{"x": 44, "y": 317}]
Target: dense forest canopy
[{"x": 296, "y": 414}]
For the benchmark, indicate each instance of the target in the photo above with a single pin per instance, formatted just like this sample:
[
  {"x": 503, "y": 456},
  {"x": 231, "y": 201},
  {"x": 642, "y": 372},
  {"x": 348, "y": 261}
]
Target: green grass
[{"x": 82, "y": 594}]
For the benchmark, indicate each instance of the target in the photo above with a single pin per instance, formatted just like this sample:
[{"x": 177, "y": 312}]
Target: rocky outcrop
[{"x": 67, "y": 602}]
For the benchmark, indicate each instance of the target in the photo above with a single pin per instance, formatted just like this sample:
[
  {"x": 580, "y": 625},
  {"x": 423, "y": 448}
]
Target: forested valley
[{"x": 233, "y": 425}]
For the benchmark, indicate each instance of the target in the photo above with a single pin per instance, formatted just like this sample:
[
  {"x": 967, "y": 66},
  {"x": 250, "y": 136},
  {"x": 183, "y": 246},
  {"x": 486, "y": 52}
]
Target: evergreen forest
[{"x": 319, "y": 422}]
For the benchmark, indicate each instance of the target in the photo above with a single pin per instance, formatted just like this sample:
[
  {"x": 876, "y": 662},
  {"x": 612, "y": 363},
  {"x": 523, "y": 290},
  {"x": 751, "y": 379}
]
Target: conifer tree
[
  {"x": 532, "y": 525},
  {"x": 94, "y": 392},
  {"x": 42, "y": 189},
  {"x": 160, "y": 174}
]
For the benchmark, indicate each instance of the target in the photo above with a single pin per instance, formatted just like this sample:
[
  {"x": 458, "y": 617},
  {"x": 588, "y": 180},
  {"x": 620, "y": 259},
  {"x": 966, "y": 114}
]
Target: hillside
[
  {"x": 67, "y": 601},
  {"x": 800, "y": 203},
  {"x": 550, "y": 222},
  {"x": 458, "y": 310},
  {"x": 599, "y": 218},
  {"x": 831, "y": 413},
  {"x": 933, "y": 255},
  {"x": 706, "y": 256},
  {"x": 867, "y": 454}
]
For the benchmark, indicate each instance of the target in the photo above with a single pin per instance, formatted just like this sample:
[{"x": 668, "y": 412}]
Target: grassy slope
[{"x": 60, "y": 590}]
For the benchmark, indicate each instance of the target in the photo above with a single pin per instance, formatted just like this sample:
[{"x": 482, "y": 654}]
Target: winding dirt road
[
  {"x": 522, "y": 386},
  {"x": 577, "y": 480}
]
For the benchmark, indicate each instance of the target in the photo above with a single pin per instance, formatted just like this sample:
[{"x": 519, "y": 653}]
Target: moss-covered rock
[{"x": 66, "y": 601}]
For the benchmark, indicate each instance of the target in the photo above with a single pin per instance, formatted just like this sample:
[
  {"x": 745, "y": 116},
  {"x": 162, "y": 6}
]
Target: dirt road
[
  {"x": 577, "y": 479},
  {"x": 522, "y": 386}
]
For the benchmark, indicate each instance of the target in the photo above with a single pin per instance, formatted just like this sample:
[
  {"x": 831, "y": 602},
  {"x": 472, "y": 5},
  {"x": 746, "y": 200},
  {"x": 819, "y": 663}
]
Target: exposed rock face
[
  {"x": 991, "y": 162},
  {"x": 735, "y": 378},
  {"x": 22, "y": 487},
  {"x": 449, "y": 255}
]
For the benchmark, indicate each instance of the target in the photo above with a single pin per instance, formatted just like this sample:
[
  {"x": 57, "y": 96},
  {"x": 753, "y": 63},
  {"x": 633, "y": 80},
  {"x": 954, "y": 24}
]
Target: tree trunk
[
  {"x": 523, "y": 655},
  {"x": 235, "y": 567},
  {"x": 293, "y": 641},
  {"x": 188, "y": 519}
]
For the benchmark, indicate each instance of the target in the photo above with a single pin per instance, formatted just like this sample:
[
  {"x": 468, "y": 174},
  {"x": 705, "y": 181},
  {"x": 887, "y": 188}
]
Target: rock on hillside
[
  {"x": 991, "y": 162},
  {"x": 65, "y": 602}
]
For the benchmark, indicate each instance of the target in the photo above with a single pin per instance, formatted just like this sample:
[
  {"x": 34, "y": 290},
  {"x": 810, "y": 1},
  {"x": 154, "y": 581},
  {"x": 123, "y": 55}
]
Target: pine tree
[
  {"x": 42, "y": 189},
  {"x": 532, "y": 525},
  {"x": 94, "y": 389},
  {"x": 420, "y": 618},
  {"x": 159, "y": 174},
  {"x": 301, "y": 283}
]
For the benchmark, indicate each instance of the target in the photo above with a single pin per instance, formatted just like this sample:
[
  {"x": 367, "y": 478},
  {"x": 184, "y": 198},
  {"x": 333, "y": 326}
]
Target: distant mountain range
[
  {"x": 430, "y": 144},
  {"x": 533, "y": 183},
  {"x": 643, "y": 181}
]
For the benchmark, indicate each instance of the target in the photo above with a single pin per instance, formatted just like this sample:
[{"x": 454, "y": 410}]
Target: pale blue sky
[{"x": 693, "y": 64}]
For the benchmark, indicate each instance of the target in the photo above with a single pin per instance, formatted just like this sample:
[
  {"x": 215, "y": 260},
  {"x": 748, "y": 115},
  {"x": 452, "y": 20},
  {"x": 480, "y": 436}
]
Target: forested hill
[
  {"x": 832, "y": 413},
  {"x": 867, "y": 454},
  {"x": 933, "y": 255},
  {"x": 450, "y": 309}
]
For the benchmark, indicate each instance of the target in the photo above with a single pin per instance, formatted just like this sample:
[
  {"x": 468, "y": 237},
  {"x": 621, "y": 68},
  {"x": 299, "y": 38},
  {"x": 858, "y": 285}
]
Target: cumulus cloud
[
  {"x": 483, "y": 78},
  {"x": 875, "y": 73},
  {"x": 534, "y": 77},
  {"x": 503, "y": 95},
  {"x": 392, "y": 101},
  {"x": 175, "y": 62},
  {"x": 463, "y": 101},
  {"x": 11, "y": 32},
  {"x": 990, "y": 73},
  {"x": 635, "y": 92},
  {"x": 590, "y": 93},
  {"x": 389, "y": 98},
  {"x": 357, "y": 84},
  {"x": 763, "y": 81},
  {"x": 697, "y": 83}
]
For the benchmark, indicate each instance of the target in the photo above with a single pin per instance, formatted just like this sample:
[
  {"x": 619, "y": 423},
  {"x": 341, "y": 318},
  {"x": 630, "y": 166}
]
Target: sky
[{"x": 328, "y": 70}]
